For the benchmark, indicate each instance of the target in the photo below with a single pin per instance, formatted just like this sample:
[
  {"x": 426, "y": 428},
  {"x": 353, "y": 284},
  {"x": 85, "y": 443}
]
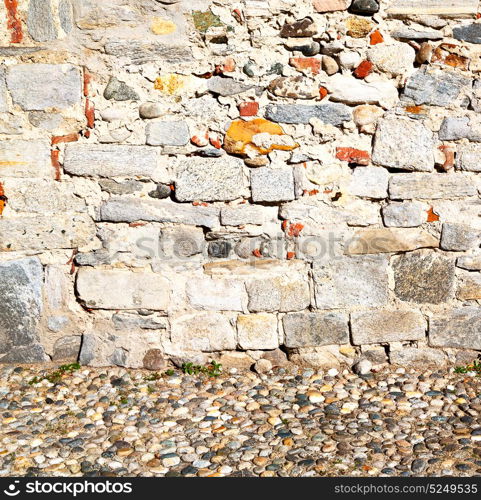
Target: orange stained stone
[
  {"x": 250, "y": 108},
  {"x": 352, "y": 155},
  {"x": 240, "y": 136},
  {"x": 432, "y": 217},
  {"x": 306, "y": 63},
  {"x": 3, "y": 199},
  {"x": 322, "y": 92},
  {"x": 291, "y": 255},
  {"x": 376, "y": 37},
  {"x": 363, "y": 69}
]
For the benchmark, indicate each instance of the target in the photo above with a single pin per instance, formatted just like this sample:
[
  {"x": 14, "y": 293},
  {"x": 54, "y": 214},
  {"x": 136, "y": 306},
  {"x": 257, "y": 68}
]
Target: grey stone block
[
  {"x": 312, "y": 329},
  {"x": 3, "y": 91},
  {"x": 351, "y": 282},
  {"x": 415, "y": 152},
  {"x": 332, "y": 113},
  {"x": 458, "y": 328},
  {"x": 469, "y": 157},
  {"x": 119, "y": 91},
  {"x": 40, "y": 22},
  {"x": 423, "y": 278},
  {"x": 369, "y": 182},
  {"x": 381, "y": 326},
  {"x": 67, "y": 348},
  {"x": 21, "y": 283},
  {"x": 105, "y": 160},
  {"x": 33, "y": 353},
  {"x": 455, "y": 128},
  {"x": 468, "y": 33},
  {"x": 226, "y": 86},
  {"x": 206, "y": 179},
  {"x": 167, "y": 133},
  {"x": 459, "y": 237},
  {"x": 35, "y": 87},
  {"x": 272, "y": 185},
  {"x": 405, "y": 214},
  {"x": 65, "y": 15},
  {"x": 141, "y": 52}
]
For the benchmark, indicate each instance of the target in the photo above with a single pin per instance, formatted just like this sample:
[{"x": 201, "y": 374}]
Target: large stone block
[
  {"x": 207, "y": 179},
  {"x": 351, "y": 281},
  {"x": 257, "y": 331},
  {"x": 311, "y": 329},
  {"x": 119, "y": 289},
  {"x": 390, "y": 239},
  {"x": 468, "y": 33},
  {"x": 216, "y": 294},
  {"x": 405, "y": 214},
  {"x": 469, "y": 286},
  {"x": 445, "y": 8},
  {"x": 206, "y": 332},
  {"x": 404, "y": 144},
  {"x": 122, "y": 209},
  {"x": 430, "y": 186},
  {"x": 369, "y": 182},
  {"x": 423, "y": 278},
  {"x": 459, "y": 328},
  {"x": 242, "y": 214},
  {"x": 454, "y": 128},
  {"x": 167, "y": 133},
  {"x": 469, "y": 157},
  {"x": 45, "y": 232},
  {"x": 25, "y": 159},
  {"x": 380, "y": 326},
  {"x": 36, "y": 87},
  {"x": 272, "y": 185},
  {"x": 40, "y": 21},
  {"x": 21, "y": 283},
  {"x": 436, "y": 87},
  {"x": 459, "y": 237},
  {"x": 105, "y": 160},
  {"x": 145, "y": 51},
  {"x": 420, "y": 357},
  {"x": 280, "y": 293},
  {"x": 331, "y": 113}
]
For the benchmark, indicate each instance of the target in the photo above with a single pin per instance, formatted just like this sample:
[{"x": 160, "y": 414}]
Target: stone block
[
  {"x": 458, "y": 328},
  {"x": 121, "y": 209},
  {"x": 36, "y": 87},
  {"x": 393, "y": 59},
  {"x": 216, "y": 294},
  {"x": 423, "y": 278},
  {"x": 167, "y": 133},
  {"x": 311, "y": 329},
  {"x": 454, "y": 128},
  {"x": 67, "y": 348},
  {"x": 3, "y": 91},
  {"x": 204, "y": 179},
  {"x": 382, "y": 326},
  {"x": 405, "y": 214},
  {"x": 45, "y": 232},
  {"x": 468, "y": 33},
  {"x": 468, "y": 157},
  {"x": 242, "y": 215},
  {"x": 257, "y": 331},
  {"x": 469, "y": 286},
  {"x": 145, "y": 51},
  {"x": 40, "y": 22},
  {"x": 205, "y": 332},
  {"x": 369, "y": 182},
  {"x": 181, "y": 242},
  {"x": 404, "y": 144},
  {"x": 272, "y": 185},
  {"x": 119, "y": 289},
  {"x": 330, "y": 5},
  {"x": 390, "y": 239},
  {"x": 430, "y": 186},
  {"x": 443, "y": 8},
  {"x": 105, "y": 160},
  {"x": 351, "y": 282},
  {"x": 420, "y": 357},
  {"x": 459, "y": 237},
  {"x": 21, "y": 283},
  {"x": 469, "y": 262},
  {"x": 25, "y": 159},
  {"x": 332, "y": 113},
  {"x": 280, "y": 293}
]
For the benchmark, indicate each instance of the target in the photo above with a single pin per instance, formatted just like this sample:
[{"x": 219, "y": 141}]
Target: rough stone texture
[
  {"x": 119, "y": 91},
  {"x": 436, "y": 88},
  {"x": 241, "y": 215},
  {"x": 120, "y": 209},
  {"x": 272, "y": 185},
  {"x": 351, "y": 281},
  {"x": 457, "y": 328},
  {"x": 469, "y": 286},
  {"x": 330, "y": 5},
  {"x": 40, "y": 23},
  {"x": 468, "y": 157},
  {"x": 257, "y": 331},
  {"x": 423, "y": 278},
  {"x": 449, "y": 8},
  {"x": 459, "y": 237},
  {"x": 468, "y": 33},
  {"x": 404, "y": 144},
  {"x": 67, "y": 348},
  {"x": 21, "y": 283},
  {"x": 3, "y": 91},
  {"x": 395, "y": 59},
  {"x": 369, "y": 182},
  {"x": 119, "y": 289},
  {"x": 332, "y": 113},
  {"x": 60, "y": 86},
  {"x": 199, "y": 179},
  {"x": 419, "y": 357},
  {"x": 311, "y": 329},
  {"x": 206, "y": 332},
  {"x": 469, "y": 262},
  {"x": 167, "y": 133},
  {"x": 405, "y": 214},
  {"x": 455, "y": 128},
  {"x": 376, "y": 327},
  {"x": 390, "y": 240},
  {"x": 109, "y": 161},
  {"x": 430, "y": 187},
  {"x": 25, "y": 159},
  {"x": 154, "y": 360}
]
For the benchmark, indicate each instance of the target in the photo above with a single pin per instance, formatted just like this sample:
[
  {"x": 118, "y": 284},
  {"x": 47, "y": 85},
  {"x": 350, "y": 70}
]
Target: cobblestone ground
[{"x": 116, "y": 422}]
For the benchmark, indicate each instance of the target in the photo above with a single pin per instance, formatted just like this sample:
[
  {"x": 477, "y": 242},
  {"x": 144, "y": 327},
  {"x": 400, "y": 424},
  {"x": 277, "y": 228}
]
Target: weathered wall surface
[{"x": 240, "y": 179}]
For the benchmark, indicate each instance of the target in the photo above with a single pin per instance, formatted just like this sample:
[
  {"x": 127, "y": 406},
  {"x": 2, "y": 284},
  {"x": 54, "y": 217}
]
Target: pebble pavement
[{"x": 117, "y": 422}]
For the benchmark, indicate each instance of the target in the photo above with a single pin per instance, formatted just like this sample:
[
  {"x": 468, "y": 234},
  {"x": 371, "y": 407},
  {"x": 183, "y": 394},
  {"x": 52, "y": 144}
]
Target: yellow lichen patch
[
  {"x": 257, "y": 136},
  {"x": 172, "y": 84},
  {"x": 161, "y": 26},
  {"x": 358, "y": 27}
]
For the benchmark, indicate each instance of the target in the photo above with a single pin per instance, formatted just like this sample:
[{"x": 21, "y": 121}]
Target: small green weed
[
  {"x": 56, "y": 376},
  {"x": 213, "y": 369},
  {"x": 475, "y": 367}
]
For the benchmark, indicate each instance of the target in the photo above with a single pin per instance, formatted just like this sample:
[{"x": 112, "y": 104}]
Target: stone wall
[{"x": 238, "y": 180}]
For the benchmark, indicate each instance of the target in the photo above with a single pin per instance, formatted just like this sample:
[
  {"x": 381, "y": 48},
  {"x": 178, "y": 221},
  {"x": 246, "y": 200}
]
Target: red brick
[
  {"x": 363, "y": 69},
  {"x": 306, "y": 63},
  {"x": 352, "y": 155},
  {"x": 376, "y": 37},
  {"x": 250, "y": 108}
]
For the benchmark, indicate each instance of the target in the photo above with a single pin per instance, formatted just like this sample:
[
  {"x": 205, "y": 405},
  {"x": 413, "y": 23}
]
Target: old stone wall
[{"x": 239, "y": 180}]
